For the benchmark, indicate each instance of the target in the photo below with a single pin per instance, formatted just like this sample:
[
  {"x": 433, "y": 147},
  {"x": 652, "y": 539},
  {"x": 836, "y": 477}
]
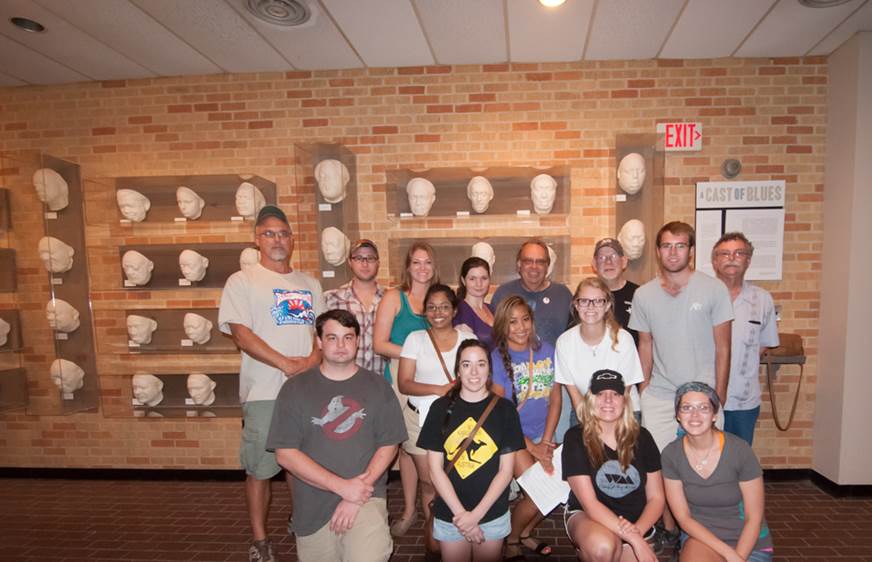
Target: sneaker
[
  {"x": 261, "y": 551},
  {"x": 291, "y": 524}
]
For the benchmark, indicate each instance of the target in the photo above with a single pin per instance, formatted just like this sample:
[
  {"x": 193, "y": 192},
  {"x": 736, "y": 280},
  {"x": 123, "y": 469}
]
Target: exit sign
[{"x": 679, "y": 137}]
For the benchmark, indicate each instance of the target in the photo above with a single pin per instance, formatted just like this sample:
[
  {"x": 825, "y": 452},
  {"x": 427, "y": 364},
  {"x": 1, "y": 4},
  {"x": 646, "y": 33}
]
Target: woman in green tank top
[{"x": 401, "y": 312}]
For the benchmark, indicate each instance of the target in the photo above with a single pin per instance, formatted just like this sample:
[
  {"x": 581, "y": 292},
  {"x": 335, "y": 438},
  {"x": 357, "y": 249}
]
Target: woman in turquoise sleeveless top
[{"x": 401, "y": 312}]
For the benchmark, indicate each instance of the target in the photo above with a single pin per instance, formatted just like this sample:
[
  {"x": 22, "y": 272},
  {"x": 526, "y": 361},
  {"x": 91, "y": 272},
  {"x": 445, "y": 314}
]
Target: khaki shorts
[
  {"x": 369, "y": 540},
  {"x": 413, "y": 428},
  {"x": 255, "y": 459}
]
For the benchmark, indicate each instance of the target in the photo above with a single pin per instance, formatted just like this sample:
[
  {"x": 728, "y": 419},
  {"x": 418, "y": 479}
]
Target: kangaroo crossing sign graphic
[{"x": 481, "y": 450}]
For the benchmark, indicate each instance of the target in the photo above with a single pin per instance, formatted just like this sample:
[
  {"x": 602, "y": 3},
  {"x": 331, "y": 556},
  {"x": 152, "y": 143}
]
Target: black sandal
[
  {"x": 520, "y": 549},
  {"x": 542, "y": 548}
]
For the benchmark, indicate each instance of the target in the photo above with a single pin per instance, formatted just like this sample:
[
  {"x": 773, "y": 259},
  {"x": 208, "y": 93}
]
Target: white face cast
[
  {"x": 193, "y": 265},
  {"x": 480, "y": 193},
  {"x": 332, "y": 177},
  {"x": 632, "y": 238},
  {"x": 249, "y": 200},
  {"x": 140, "y": 328},
  {"x": 197, "y": 328},
  {"x": 543, "y": 191},
  {"x": 201, "y": 389},
  {"x": 190, "y": 204},
  {"x": 484, "y": 251},
  {"x": 631, "y": 173},
  {"x": 248, "y": 258},
  {"x": 553, "y": 255},
  {"x": 137, "y": 268},
  {"x": 334, "y": 245},
  {"x": 5, "y": 328},
  {"x": 56, "y": 255},
  {"x": 51, "y": 189},
  {"x": 66, "y": 375},
  {"x": 132, "y": 204},
  {"x": 61, "y": 316},
  {"x": 422, "y": 195},
  {"x": 147, "y": 389}
]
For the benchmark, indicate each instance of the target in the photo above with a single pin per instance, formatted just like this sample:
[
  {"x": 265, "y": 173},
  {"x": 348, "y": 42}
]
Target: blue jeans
[{"x": 741, "y": 423}]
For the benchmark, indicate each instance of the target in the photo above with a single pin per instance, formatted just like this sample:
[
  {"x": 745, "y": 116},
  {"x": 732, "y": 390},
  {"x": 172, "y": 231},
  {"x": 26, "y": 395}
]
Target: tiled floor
[{"x": 80, "y": 520}]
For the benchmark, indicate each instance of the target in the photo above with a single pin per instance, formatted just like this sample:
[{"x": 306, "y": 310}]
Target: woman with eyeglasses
[
  {"x": 596, "y": 342},
  {"x": 523, "y": 368},
  {"x": 401, "y": 312},
  {"x": 472, "y": 311},
  {"x": 425, "y": 374},
  {"x": 714, "y": 485},
  {"x": 612, "y": 466}
]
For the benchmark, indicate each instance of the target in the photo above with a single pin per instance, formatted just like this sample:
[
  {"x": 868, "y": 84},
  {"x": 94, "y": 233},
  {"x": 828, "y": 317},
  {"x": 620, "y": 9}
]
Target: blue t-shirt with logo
[
  {"x": 535, "y": 410},
  {"x": 622, "y": 491}
]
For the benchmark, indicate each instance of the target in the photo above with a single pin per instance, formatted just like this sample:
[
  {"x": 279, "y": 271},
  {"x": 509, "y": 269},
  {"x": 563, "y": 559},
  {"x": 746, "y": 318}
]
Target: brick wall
[{"x": 769, "y": 113}]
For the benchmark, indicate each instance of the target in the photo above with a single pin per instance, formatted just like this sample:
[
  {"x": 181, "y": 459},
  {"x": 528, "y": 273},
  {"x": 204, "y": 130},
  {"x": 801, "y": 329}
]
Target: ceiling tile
[
  {"x": 26, "y": 64},
  {"x": 713, "y": 28},
  {"x": 860, "y": 21},
  {"x": 464, "y": 31},
  {"x": 133, "y": 33},
  {"x": 539, "y": 34},
  {"x": 316, "y": 44},
  {"x": 6, "y": 80},
  {"x": 216, "y": 30},
  {"x": 67, "y": 44},
  {"x": 630, "y": 29},
  {"x": 791, "y": 29},
  {"x": 384, "y": 32}
]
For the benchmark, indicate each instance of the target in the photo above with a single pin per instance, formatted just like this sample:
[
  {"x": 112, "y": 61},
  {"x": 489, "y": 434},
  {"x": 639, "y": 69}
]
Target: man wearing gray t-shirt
[
  {"x": 336, "y": 427},
  {"x": 683, "y": 318},
  {"x": 269, "y": 310}
]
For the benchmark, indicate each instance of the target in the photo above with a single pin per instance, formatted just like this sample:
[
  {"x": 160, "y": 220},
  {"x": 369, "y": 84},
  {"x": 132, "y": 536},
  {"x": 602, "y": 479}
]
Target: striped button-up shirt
[{"x": 344, "y": 298}]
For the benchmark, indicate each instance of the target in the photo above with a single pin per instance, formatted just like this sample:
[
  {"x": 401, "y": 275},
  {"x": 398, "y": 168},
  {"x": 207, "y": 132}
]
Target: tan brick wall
[{"x": 769, "y": 113}]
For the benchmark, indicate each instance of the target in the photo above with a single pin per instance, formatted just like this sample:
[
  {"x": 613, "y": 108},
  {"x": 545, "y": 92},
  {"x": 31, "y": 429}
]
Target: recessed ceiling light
[
  {"x": 27, "y": 25},
  {"x": 551, "y": 3},
  {"x": 822, "y": 3},
  {"x": 280, "y": 12}
]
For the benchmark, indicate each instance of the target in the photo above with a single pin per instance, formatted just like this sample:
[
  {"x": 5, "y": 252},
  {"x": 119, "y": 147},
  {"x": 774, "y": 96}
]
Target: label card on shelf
[
  {"x": 69, "y": 396},
  {"x": 180, "y": 219},
  {"x": 51, "y": 215},
  {"x": 57, "y": 281},
  {"x": 191, "y": 413},
  {"x": 187, "y": 343},
  {"x": 523, "y": 212},
  {"x": 136, "y": 402},
  {"x": 621, "y": 197},
  {"x": 129, "y": 283},
  {"x": 463, "y": 214},
  {"x": 189, "y": 401},
  {"x": 124, "y": 222},
  {"x": 406, "y": 215},
  {"x": 62, "y": 336},
  {"x": 184, "y": 283},
  {"x": 325, "y": 207},
  {"x": 131, "y": 343},
  {"x": 237, "y": 219},
  {"x": 328, "y": 274}
]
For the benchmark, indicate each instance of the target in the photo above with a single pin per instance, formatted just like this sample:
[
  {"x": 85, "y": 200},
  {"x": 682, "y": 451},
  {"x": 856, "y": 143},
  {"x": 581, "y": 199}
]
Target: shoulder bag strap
[
  {"x": 468, "y": 441},
  {"x": 439, "y": 355}
]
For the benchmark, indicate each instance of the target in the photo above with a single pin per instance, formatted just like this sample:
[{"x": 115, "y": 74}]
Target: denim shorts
[
  {"x": 755, "y": 556},
  {"x": 494, "y": 530}
]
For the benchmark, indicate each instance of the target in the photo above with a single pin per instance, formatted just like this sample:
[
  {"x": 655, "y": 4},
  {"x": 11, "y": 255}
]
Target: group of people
[{"x": 629, "y": 385}]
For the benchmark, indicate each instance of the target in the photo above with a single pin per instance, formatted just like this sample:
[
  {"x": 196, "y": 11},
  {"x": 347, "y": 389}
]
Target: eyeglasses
[
  {"x": 703, "y": 409},
  {"x": 602, "y": 258},
  {"x": 587, "y": 303},
  {"x": 273, "y": 234},
  {"x": 726, "y": 254},
  {"x": 530, "y": 261},
  {"x": 442, "y": 308},
  {"x": 364, "y": 259},
  {"x": 668, "y": 246}
]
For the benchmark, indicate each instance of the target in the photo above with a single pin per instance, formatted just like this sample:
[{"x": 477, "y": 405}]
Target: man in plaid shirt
[{"x": 361, "y": 296}]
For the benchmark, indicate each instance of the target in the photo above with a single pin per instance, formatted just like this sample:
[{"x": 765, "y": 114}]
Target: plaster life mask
[
  {"x": 147, "y": 389},
  {"x": 201, "y": 389},
  {"x": 197, "y": 328},
  {"x": 334, "y": 245},
  {"x": 249, "y": 200},
  {"x": 332, "y": 178},
  {"x": 422, "y": 195},
  {"x": 631, "y": 173},
  {"x": 51, "y": 188},
  {"x": 480, "y": 193},
  {"x": 132, "y": 204},
  {"x": 62, "y": 316},
  {"x": 248, "y": 258},
  {"x": 543, "y": 191},
  {"x": 552, "y": 257},
  {"x": 137, "y": 268},
  {"x": 484, "y": 251},
  {"x": 140, "y": 328},
  {"x": 5, "y": 328},
  {"x": 66, "y": 375},
  {"x": 190, "y": 204},
  {"x": 56, "y": 255},
  {"x": 193, "y": 265},
  {"x": 632, "y": 238}
]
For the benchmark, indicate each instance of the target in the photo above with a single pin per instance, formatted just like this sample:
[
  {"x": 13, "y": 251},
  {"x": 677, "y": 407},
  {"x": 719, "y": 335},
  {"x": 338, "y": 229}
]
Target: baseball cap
[
  {"x": 609, "y": 243},
  {"x": 271, "y": 211},
  {"x": 362, "y": 243},
  {"x": 606, "y": 379}
]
